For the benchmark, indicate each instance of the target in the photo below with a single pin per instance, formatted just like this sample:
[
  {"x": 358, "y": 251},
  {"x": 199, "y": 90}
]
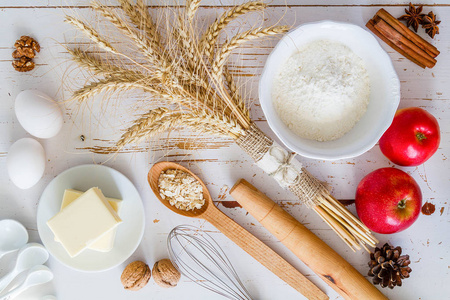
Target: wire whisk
[{"x": 200, "y": 258}]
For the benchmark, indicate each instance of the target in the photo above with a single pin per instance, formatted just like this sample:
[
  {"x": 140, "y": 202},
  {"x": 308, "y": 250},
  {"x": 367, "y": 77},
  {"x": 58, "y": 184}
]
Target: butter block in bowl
[
  {"x": 105, "y": 243},
  {"x": 84, "y": 221}
]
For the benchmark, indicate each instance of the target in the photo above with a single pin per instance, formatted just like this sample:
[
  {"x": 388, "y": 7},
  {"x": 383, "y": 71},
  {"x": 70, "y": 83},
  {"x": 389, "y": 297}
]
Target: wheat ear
[
  {"x": 92, "y": 34},
  {"x": 223, "y": 54},
  {"x": 150, "y": 25},
  {"x": 99, "y": 66},
  {"x": 143, "y": 44},
  {"x": 209, "y": 39},
  {"x": 191, "y": 9},
  {"x": 143, "y": 21},
  {"x": 162, "y": 119},
  {"x": 140, "y": 17},
  {"x": 173, "y": 95},
  {"x": 187, "y": 48},
  {"x": 92, "y": 63},
  {"x": 137, "y": 132},
  {"x": 105, "y": 85},
  {"x": 216, "y": 124},
  {"x": 140, "y": 125},
  {"x": 234, "y": 93},
  {"x": 153, "y": 115}
]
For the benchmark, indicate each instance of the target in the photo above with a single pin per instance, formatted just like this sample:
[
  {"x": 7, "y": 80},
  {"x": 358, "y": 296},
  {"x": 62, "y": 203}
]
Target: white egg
[
  {"x": 25, "y": 163},
  {"x": 38, "y": 114}
]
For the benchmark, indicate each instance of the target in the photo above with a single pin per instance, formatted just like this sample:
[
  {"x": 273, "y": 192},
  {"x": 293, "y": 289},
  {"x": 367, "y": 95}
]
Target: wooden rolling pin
[{"x": 323, "y": 260}]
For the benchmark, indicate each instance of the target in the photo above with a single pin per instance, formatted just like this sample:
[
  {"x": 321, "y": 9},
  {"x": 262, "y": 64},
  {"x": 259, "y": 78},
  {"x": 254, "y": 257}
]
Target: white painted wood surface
[{"x": 427, "y": 241}]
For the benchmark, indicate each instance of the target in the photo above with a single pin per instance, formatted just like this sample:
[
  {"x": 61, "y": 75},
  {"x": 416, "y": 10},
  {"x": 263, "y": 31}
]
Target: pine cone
[{"x": 388, "y": 267}]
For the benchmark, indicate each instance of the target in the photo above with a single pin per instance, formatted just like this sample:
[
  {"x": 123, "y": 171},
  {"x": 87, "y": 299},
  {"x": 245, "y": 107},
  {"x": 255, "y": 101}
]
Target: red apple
[
  {"x": 388, "y": 200},
  {"x": 412, "y": 138}
]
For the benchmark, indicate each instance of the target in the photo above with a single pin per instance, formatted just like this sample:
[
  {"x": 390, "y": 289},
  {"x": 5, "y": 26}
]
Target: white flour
[{"x": 322, "y": 91}]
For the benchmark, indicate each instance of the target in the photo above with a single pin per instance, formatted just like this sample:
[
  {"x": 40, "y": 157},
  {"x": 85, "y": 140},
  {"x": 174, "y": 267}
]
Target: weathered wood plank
[
  {"x": 218, "y": 3},
  {"x": 219, "y": 162}
]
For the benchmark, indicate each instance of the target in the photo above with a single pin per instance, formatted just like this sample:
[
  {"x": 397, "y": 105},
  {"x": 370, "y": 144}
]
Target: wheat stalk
[
  {"x": 185, "y": 80},
  {"x": 92, "y": 34},
  {"x": 136, "y": 134},
  {"x": 140, "y": 19},
  {"x": 209, "y": 39},
  {"x": 101, "y": 67},
  {"x": 234, "y": 93},
  {"x": 139, "y": 16},
  {"x": 143, "y": 44},
  {"x": 224, "y": 52},
  {"x": 152, "y": 115},
  {"x": 187, "y": 47},
  {"x": 105, "y": 85},
  {"x": 192, "y": 76},
  {"x": 92, "y": 63},
  {"x": 150, "y": 27},
  {"x": 142, "y": 126},
  {"x": 217, "y": 124},
  {"x": 222, "y": 56},
  {"x": 162, "y": 119},
  {"x": 191, "y": 9}
]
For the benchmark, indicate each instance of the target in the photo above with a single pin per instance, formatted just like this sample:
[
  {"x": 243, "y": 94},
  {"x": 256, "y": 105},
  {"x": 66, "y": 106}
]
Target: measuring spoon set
[{"x": 30, "y": 259}]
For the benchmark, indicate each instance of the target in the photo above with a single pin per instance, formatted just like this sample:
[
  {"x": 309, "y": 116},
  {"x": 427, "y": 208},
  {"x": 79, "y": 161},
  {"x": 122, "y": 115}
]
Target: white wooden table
[{"x": 219, "y": 162}]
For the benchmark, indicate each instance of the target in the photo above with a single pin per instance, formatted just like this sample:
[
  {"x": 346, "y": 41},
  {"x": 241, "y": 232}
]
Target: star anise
[
  {"x": 431, "y": 24},
  {"x": 413, "y": 17}
]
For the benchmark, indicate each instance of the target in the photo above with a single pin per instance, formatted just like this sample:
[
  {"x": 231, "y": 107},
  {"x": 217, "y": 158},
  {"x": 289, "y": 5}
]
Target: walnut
[
  {"x": 135, "y": 276},
  {"x": 165, "y": 274},
  {"x": 27, "y": 42},
  {"x": 25, "y": 51},
  {"x": 24, "y": 64}
]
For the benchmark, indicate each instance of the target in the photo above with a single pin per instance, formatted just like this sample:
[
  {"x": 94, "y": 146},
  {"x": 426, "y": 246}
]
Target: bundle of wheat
[{"x": 189, "y": 72}]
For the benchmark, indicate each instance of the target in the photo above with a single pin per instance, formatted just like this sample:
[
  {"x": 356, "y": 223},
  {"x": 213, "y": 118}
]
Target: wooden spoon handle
[
  {"x": 315, "y": 253},
  {"x": 262, "y": 253}
]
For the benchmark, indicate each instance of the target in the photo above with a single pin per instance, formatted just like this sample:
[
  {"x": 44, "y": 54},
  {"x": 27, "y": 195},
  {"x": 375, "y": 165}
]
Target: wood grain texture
[
  {"x": 219, "y": 3},
  {"x": 427, "y": 241}
]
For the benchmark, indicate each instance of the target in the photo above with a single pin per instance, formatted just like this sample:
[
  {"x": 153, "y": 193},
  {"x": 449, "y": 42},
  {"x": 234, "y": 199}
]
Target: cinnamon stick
[
  {"x": 403, "y": 43},
  {"x": 371, "y": 26},
  {"x": 406, "y": 32},
  {"x": 402, "y": 39}
]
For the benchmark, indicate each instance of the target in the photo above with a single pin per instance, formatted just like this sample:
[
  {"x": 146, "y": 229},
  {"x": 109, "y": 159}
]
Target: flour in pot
[{"x": 322, "y": 90}]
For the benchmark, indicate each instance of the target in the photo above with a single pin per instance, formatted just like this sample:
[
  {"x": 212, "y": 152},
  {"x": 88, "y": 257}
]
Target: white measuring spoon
[
  {"x": 30, "y": 255},
  {"x": 36, "y": 275},
  {"x": 13, "y": 236}
]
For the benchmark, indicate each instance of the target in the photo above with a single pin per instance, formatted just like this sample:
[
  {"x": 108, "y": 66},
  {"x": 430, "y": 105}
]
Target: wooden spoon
[{"x": 244, "y": 239}]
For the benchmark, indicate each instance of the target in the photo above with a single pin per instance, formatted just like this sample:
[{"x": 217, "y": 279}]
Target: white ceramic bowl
[{"x": 384, "y": 93}]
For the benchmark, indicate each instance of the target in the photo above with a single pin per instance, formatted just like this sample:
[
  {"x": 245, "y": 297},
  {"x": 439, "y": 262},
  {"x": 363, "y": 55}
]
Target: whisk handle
[
  {"x": 262, "y": 253},
  {"x": 321, "y": 258}
]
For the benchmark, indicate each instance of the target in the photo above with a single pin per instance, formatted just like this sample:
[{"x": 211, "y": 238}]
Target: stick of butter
[
  {"x": 106, "y": 242},
  {"x": 84, "y": 221}
]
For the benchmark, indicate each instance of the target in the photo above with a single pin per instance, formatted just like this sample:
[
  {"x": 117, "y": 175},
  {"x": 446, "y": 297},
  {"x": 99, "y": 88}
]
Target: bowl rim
[{"x": 279, "y": 132}]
